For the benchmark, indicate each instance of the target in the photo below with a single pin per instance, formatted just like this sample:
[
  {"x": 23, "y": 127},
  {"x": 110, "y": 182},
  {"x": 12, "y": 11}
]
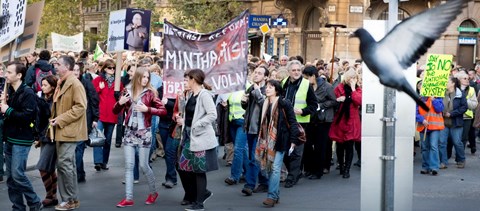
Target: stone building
[{"x": 307, "y": 32}]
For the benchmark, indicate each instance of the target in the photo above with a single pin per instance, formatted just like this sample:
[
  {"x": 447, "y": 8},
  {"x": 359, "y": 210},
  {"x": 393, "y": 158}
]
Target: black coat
[
  {"x": 92, "y": 103},
  {"x": 20, "y": 115},
  {"x": 327, "y": 102},
  {"x": 287, "y": 127}
]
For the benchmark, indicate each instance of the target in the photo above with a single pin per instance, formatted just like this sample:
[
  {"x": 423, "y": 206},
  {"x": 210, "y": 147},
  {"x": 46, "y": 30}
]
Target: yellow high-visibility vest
[{"x": 301, "y": 99}]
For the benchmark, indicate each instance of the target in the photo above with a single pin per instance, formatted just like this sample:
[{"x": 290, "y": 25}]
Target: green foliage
[{"x": 204, "y": 15}]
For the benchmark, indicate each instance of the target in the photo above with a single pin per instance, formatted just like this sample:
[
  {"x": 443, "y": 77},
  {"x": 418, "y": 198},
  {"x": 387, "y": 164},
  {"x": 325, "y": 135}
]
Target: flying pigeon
[{"x": 404, "y": 45}]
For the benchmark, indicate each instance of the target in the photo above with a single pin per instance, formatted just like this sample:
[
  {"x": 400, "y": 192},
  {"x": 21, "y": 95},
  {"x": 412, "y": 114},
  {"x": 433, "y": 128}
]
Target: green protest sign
[{"x": 436, "y": 75}]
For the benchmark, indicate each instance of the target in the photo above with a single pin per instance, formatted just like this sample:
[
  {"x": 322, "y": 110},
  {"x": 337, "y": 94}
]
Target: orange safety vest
[{"x": 435, "y": 120}]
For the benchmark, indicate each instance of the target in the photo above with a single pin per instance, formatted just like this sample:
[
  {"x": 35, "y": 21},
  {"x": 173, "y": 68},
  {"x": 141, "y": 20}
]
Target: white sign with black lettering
[
  {"x": 13, "y": 22},
  {"x": 116, "y": 31}
]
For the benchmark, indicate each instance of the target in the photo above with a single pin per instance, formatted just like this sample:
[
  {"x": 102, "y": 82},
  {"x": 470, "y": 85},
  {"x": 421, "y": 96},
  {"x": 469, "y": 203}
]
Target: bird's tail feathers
[{"x": 414, "y": 95}]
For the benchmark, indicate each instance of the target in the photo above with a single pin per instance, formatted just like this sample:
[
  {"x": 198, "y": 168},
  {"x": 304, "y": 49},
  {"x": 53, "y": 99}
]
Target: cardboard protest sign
[
  {"x": 26, "y": 41},
  {"x": 13, "y": 24},
  {"x": 116, "y": 31},
  {"x": 67, "y": 43},
  {"x": 221, "y": 54},
  {"x": 137, "y": 29},
  {"x": 437, "y": 72}
]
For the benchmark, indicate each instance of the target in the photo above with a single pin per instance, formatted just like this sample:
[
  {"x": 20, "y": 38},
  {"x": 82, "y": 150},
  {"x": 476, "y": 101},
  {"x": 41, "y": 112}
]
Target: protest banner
[
  {"x": 437, "y": 72},
  {"x": 14, "y": 20},
  {"x": 137, "y": 29},
  {"x": 116, "y": 31},
  {"x": 67, "y": 43},
  {"x": 26, "y": 41},
  {"x": 221, "y": 54}
]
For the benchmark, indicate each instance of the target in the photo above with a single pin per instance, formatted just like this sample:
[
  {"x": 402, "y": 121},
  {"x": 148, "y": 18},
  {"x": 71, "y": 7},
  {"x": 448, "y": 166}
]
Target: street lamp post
[{"x": 335, "y": 26}]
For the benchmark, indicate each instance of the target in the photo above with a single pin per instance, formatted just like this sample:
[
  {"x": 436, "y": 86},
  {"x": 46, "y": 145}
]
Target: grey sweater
[{"x": 202, "y": 135}]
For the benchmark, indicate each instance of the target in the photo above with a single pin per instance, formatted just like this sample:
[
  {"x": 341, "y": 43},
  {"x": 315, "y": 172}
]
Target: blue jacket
[{"x": 460, "y": 106}]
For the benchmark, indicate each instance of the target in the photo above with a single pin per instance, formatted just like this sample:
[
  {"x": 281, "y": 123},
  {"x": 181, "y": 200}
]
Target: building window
[
  {"x": 402, "y": 15},
  {"x": 93, "y": 30},
  {"x": 312, "y": 22}
]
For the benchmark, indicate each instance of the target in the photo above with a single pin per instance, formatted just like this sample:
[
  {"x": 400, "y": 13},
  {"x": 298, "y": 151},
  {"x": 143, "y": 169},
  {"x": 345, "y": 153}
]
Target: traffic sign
[{"x": 264, "y": 28}]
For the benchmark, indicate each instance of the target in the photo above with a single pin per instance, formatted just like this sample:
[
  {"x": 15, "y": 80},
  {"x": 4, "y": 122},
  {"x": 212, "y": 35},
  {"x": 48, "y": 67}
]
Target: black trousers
[
  {"x": 120, "y": 129},
  {"x": 194, "y": 185},
  {"x": 318, "y": 149},
  {"x": 293, "y": 162},
  {"x": 345, "y": 153}
]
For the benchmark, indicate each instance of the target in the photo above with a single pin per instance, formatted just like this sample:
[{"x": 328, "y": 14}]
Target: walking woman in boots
[
  {"x": 140, "y": 103},
  {"x": 277, "y": 128},
  {"x": 346, "y": 126},
  {"x": 48, "y": 155}
]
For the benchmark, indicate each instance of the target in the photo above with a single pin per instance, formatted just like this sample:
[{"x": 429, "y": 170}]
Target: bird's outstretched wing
[{"x": 411, "y": 38}]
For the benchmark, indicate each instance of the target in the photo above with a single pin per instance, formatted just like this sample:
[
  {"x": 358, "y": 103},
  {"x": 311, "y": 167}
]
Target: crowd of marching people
[{"x": 293, "y": 120}]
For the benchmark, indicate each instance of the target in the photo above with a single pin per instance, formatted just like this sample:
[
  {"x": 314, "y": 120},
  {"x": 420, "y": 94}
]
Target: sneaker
[
  {"x": 70, "y": 205},
  {"x": 461, "y": 165},
  {"x": 169, "y": 184},
  {"x": 208, "y": 195},
  {"x": 104, "y": 167},
  {"x": 247, "y": 191},
  {"x": 261, "y": 189},
  {"x": 230, "y": 181},
  {"x": 36, "y": 207},
  {"x": 77, "y": 204},
  {"x": 49, "y": 202},
  {"x": 443, "y": 166},
  {"x": 424, "y": 172},
  {"x": 151, "y": 198},
  {"x": 289, "y": 184},
  {"x": 195, "y": 207},
  {"x": 98, "y": 167},
  {"x": 125, "y": 203},
  {"x": 434, "y": 172},
  {"x": 270, "y": 202}
]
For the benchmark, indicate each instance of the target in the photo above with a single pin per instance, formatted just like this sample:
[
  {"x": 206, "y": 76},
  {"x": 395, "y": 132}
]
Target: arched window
[
  {"x": 312, "y": 21},
  {"x": 468, "y": 24},
  {"x": 402, "y": 15}
]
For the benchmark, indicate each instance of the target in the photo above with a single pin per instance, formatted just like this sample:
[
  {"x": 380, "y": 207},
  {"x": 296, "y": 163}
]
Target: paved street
[{"x": 453, "y": 189}]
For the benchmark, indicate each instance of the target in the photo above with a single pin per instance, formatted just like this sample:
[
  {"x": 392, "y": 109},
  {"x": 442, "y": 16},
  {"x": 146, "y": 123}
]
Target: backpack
[
  {"x": 39, "y": 75},
  {"x": 41, "y": 119}
]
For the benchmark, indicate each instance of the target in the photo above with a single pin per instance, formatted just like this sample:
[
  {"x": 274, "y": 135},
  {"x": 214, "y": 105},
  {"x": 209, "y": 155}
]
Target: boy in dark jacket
[{"x": 19, "y": 109}]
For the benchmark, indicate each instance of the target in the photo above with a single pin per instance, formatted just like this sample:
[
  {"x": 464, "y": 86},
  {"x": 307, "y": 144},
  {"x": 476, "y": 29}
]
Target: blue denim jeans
[
  {"x": 455, "y": 134},
  {"x": 240, "y": 154},
  {"x": 252, "y": 166},
  {"x": 274, "y": 177},
  {"x": 170, "y": 158},
  {"x": 130, "y": 153},
  {"x": 19, "y": 186},
  {"x": 430, "y": 158},
  {"x": 154, "y": 126},
  {"x": 79, "y": 151},
  {"x": 101, "y": 154}
]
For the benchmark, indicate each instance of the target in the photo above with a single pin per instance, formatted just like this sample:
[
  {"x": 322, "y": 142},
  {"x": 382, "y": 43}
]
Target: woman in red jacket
[
  {"x": 140, "y": 103},
  {"x": 346, "y": 126},
  {"x": 104, "y": 85}
]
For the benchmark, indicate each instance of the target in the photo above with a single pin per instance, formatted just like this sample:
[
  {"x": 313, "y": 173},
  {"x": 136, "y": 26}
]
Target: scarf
[
  {"x": 345, "y": 110},
  {"x": 267, "y": 137},
  {"x": 110, "y": 79}
]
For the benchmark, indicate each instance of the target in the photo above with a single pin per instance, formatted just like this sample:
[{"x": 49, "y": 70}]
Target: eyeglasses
[
  {"x": 296, "y": 70},
  {"x": 111, "y": 68}
]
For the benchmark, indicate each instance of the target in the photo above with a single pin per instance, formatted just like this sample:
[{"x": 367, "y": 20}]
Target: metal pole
[
  {"x": 333, "y": 53},
  {"x": 263, "y": 47},
  {"x": 389, "y": 127}
]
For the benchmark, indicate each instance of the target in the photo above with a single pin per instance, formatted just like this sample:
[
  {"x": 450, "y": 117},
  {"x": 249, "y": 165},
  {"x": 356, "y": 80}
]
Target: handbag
[
  {"x": 96, "y": 138},
  {"x": 302, "y": 137}
]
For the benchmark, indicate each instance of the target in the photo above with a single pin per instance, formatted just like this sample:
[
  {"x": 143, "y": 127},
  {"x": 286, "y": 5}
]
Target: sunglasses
[{"x": 111, "y": 68}]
